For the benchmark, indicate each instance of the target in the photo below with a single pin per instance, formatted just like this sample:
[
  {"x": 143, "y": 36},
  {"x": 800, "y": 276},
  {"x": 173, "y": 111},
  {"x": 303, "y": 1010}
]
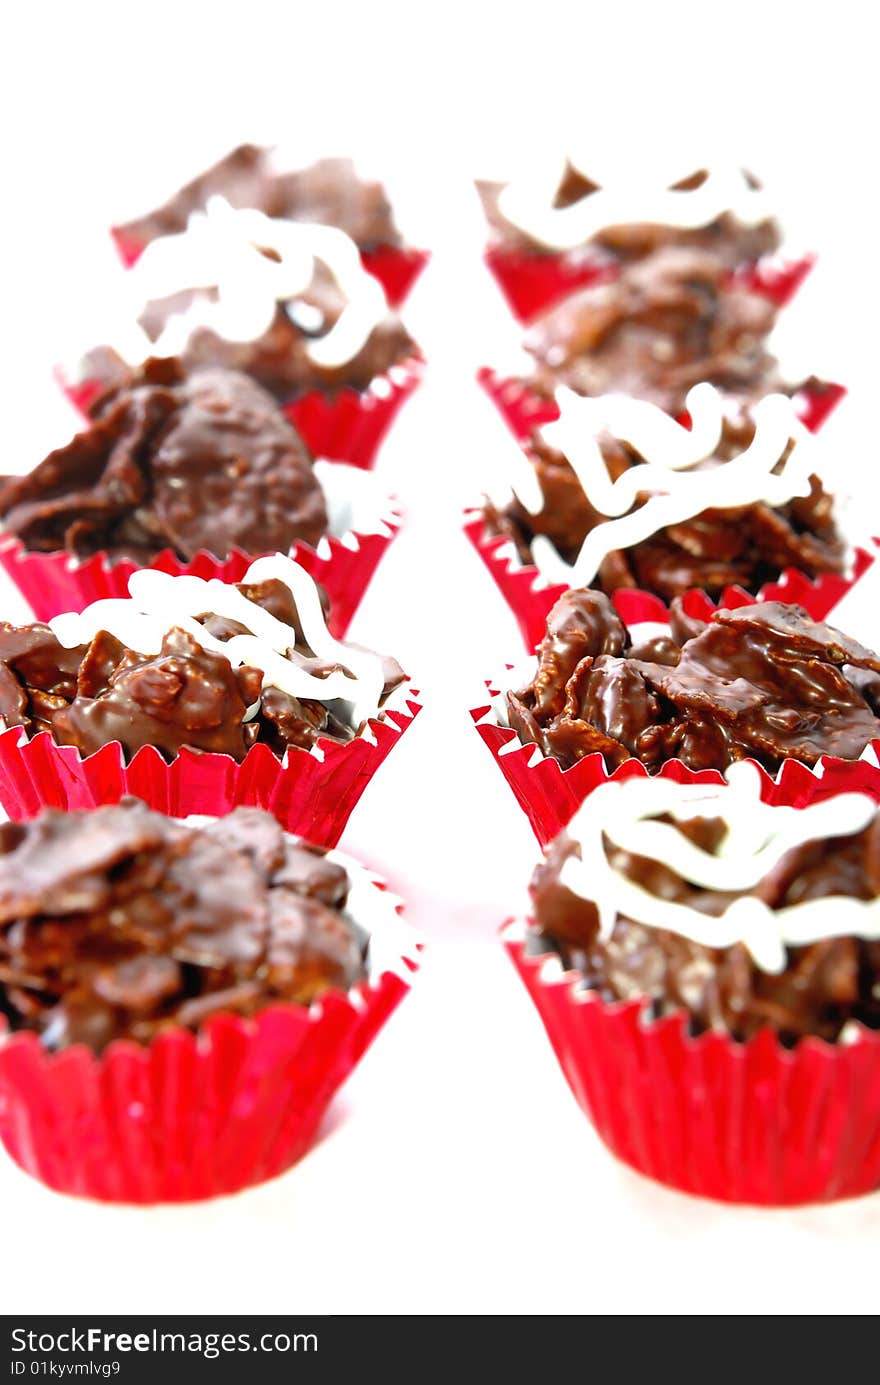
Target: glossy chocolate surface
[
  {"x": 119, "y": 922},
  {"x": 173, "y": 460},
  {"x": 762, "y": 682}
]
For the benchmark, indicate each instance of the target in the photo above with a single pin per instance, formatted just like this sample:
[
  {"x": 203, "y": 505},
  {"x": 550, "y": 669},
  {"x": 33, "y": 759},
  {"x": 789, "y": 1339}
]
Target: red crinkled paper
[
  {"x": 349, "y": 425},
  {"x": 533, "y": 281},
  {"x": 550, "y": 795},
  {"x": 346, "y": 425},
  {"x": 189, "y": 1116},
  {"x": 397, "y": 268},
  {"x": 310, "y": 796},
  {"x": 740, "y": 1122},
  {"x": 52, "y": 583}
]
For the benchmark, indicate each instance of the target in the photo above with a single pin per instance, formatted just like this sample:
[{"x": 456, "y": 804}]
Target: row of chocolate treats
[
  {"x": 190, "y": 468},
  {"x": 247, "y": 301},
  {"x": 187, "y": 698},
  {"x": 657, "y": 385},
  {"x": 185, "y": 963},
  {"x": 201, "y": 696},
  {"x": 694, "y": 746}
]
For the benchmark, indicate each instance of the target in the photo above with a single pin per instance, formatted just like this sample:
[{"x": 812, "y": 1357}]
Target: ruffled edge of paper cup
[{"x": 191, "y": 1115}]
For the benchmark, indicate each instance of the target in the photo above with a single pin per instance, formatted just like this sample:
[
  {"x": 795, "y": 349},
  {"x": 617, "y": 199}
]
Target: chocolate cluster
[
  {"x": 824, "y": 986},
  {"x": 184, "y": 696},
  {"x": 280, "y": 359},
  {"x": 731, "y": 241},
  {"x": 328, "y": 192},
  {"x": 195, "y": 461},
  {"x": 763, "y": 682},
  {"x": 745, "y": 546},
  {"x": 118, "y": 922},
  {"x": 664, "y": 324}
]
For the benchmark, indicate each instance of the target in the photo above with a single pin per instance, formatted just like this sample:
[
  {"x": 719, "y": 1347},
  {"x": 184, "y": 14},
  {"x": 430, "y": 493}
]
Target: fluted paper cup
[
  {"x": 312, "y": 793},
  {"x": 196, "y": 1115},
  {"x": 533, "y": 281},
  {"x": 752, "y": 1122}
]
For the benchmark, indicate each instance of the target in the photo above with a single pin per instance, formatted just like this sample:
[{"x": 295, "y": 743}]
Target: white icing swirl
[
  {"x": 159, "y": 602},
  {"x": 758, "y": 836},
  {"x": 220, "y": 251},
  {"x": 676, "y": 490},
  {"x": 527, "y": 203}
]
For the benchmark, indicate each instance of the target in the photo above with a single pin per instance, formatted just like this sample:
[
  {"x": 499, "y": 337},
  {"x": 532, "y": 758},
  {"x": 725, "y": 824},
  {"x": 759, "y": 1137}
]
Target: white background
[{"x": 456, "y": 1173}]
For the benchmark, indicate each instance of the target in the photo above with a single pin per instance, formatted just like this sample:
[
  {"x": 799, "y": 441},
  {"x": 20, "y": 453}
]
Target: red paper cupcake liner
[
  {"x": 345, "y": 426},
  {"x": 55, "y": 582},
  {"x": 396, "y": 267},
  {"x": 752, "y": 1122},
  {"x": 348, "y": 426},
  {"x": 189, "y": 1116},
  {"x": 523, "y": 410},
  {"x": 533, "y": 281},
  {"x": 310, "y": 796},
  {"x": 550, "y": 795},
  {"x": 531, "y": 597}
]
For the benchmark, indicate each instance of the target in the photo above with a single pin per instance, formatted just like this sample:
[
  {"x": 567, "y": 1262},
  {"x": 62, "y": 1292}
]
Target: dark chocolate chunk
[
  {"x": 762, "y": 681},
  {"x": 205, "y": 461},
  {"x": 119, "y": 922},
  {"x": 184, "y": 696}
]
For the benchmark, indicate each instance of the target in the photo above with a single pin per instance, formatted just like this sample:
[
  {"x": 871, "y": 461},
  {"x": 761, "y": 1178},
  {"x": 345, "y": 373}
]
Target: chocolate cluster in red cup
[
  {"x": 120, "y": 922},
  {"x": 705, "y": 957},
  {"x": 186, "y": 693},
  {"x": 574, "y": 233},
  {"x": 198, "y": 696},
  {"x": 788, "y": 523},
  {"x": 288, "y": 303},
  {"x": 818, "y": 987},
  {"x": 181, "y": 999},
  {"x": 328, "y": 192},
  {"x": 762, "y": 682},
  {"x": 192, "y": 473},
  {"x": 191, "y": 462},
  {"x": 663, "y": 325}
]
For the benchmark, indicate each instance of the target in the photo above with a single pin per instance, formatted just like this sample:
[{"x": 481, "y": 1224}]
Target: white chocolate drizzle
[
  {"x": 758, "y": 836},
  {"x": 221, "y": 252},
  {"x": 159, "y": 602},
  {"x": 527, "y": 203},
  {"x": 677, "y": 486}
]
